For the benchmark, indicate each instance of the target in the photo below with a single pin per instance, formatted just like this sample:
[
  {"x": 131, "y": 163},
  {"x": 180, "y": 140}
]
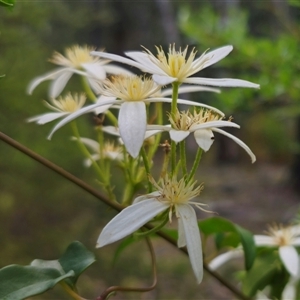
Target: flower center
[
  {"x": 130, "y": 88},
  {"x": 70, "y": 103},
  {"x": 75, "y": 56},
  {"x": 283, "y": 236},
  {"x": 185, "y": 120}
]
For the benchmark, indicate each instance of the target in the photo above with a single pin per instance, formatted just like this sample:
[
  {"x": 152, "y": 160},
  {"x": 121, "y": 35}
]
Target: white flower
[
  {"x": 202, "y": 123},
  {"x": 109, "y": 150},
  {"x": 77, "y": 60},
  {"x": 63, "y": 106},
  {"x": 131, "y": 93},
  {"x": 283, "y": 238},
  {"x": 173, "y": 196},
  {"x": 178, "y": 66}
]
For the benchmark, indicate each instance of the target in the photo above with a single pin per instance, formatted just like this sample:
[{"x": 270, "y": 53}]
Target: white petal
[
  {"x": 223, "y": 258},
  {"x": 145, "y": 197},
  {"x": 290, "y": 259},
  {"x": 143, "y": 59},
  {"x": 163, "y": 79},
  {"x": 226, "y": 82},
  {"x": 80, "y": 112},
  {"x": 238, "y": 141},
  {"x": 178, "y": 135},
  {"x": 118, "y": 58},
  {"x": 101, "y": 109},
  {"x": 295, "y": 229},
  {"x": 213, "y": 56},
  {"x": 204, "y": 138},
  {"x": 111, "y": 130},
  {"x": 192, "y": 237},
  {"x": 129, "y": 220},
  {"x": 181, "y": 242},
  {"x": 93, "y": 145},
  {"x": 296, "y": 241},
  {"x": 95, "y": 69},
  {"x": 189, "y": 89},
  {"x": 213, "y": 124},
  {"x": 45, "y": 118},
  {"x": 59, "y": 83},
  {"x": 88, "y": 162},
  {"x": 48, "y": 76},
  {"x": 264, "y": 240},
  {"x": 111, "y": 69},
  {"x": 132, "y": 126},
  {"x": 290, "y": 290}
]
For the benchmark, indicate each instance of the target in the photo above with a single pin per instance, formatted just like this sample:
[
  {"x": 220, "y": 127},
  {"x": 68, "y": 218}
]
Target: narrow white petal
[
  {"x": 295, "y": 230},
  {"x": 163, "y": 79},
  {"x": 111, "y": 130},
  {"x": 192, "y": 237},
  {"x": 145, "y": 197},
  {"x": 95, "y": 69},
  {"x": 264, "y": 240},
  {"x": 151, "y": 133},
  {"x": 88, "y": 162},
  {"x": 92, "y": 144},
  {"x": 129, "y": 220},
  {"x": 111, "y": 69},
  {"x": 46, "y": 118},
  {"x": 213, "y": 124},
  {"x": 159, "y": 127},
  {"x": 189, "y": 89},
  {"x": 213, "y": 56},
  {"x": 178, "y": 135},
  {"x": 226, "y": 82},
  {"x": 101, "y": 109},
  {"x": 186, "y": 102},
  {"x": 143, "y": 59},
  {"x": 290, "y": 259},
  {"x": 181, "y": 242},
  {"x": 59, "y": 83},
  {"x": 80, "y": 112},
  {"x": 132, "y": 125},
  {"x": 223, "y": 258},
  {"x": 204, "y": 138},
  {"x": 290, "y": 290},
  {"x": 118, "y": 58},
  {"x": 238, "y": 141},
  {"x": 296, "y": 241},
  {"x": 48, "y": 76}
]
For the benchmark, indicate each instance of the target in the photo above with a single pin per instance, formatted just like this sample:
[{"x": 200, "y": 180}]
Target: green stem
[
  {"x": 183, "y": 158},
  {"x": 173, "y": 157},
  {"x": 147, "y": 168},
  {"x": 87, "y": 89},
  {"x": 174, "y": 97},
  {"x": 196, "y": 164}
]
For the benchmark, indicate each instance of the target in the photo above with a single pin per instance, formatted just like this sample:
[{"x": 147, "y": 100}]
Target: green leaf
[
  {"x": 230, "y": 234},
  {"x": 19, "y": 282},
  {"x": 76, "y": 258}
]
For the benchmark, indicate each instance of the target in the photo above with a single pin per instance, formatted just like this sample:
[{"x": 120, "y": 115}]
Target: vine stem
[{"x": 113, "y": 205}]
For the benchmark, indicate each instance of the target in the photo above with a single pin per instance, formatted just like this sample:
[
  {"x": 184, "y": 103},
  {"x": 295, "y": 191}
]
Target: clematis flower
[
  {"x": 202, "y": 123},
  {"x": 77, "y": 60},
  {"x": 178, "y": 66},
  {"x": 131, "y": 93},
  {"x": 109, "y": 150},
  {"x": 286, "y": 239},
  {"x": 62, "y": 106},
  {"x": 171, "y": 196}
]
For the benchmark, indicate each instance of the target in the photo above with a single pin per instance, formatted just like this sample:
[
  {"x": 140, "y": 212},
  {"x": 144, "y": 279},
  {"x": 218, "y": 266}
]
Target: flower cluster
[{"x": 133, "y": 105}]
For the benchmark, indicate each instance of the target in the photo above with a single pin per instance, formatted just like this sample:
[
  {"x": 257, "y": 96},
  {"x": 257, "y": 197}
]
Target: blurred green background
[{"x": 41, "y": 213}]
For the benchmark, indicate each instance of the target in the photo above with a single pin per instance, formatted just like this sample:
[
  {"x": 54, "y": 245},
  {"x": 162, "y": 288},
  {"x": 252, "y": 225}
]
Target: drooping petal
[
  {"x": 223, "y": 258},
  {"x": 225, "y": 82},
  {"x": 132, "y": 126},
  {"x": 59, "y": 83},
  {"x": 192, "y": 237},
  {"x": 129, "y": 220},
  {"x": 212, "y": 57},
  {"x": 181, "y": 242},
  {"x": 204, "y": 138},
  {"x": 48, "y": 76},
  {"x": 264, "y": 240},
  {"x": 46, "y": 118},
  {"x": 95, "y": 69},
  {"x": 290, "y": 258},
  {"x": 80, "y": 112},
  {"x": 238, "y": 141},
  {"x": 178, "y": 135},
  {"x": 111, "y": 69}
]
